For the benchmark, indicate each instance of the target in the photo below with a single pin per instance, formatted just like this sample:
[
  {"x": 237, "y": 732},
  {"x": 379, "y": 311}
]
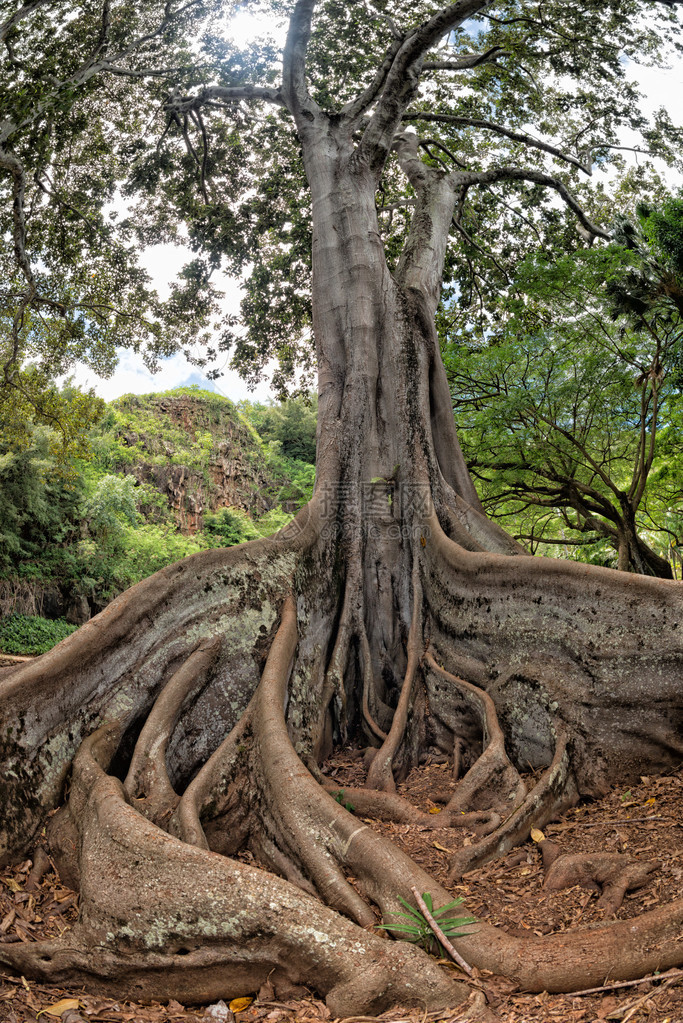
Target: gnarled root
[
  {"x": 116, "y": 665},
  {"x": 147, "y": 781},
  {"x": 168, "y": 914},
  {"x": 492, "y": 781},
  {"x": 389, "y": 806},
  {"x": 611, "y": 874},
  {"x": 380, "y": 775},
  {"x": 237, "y": 926},
  {"x": 553, "y": 793}
]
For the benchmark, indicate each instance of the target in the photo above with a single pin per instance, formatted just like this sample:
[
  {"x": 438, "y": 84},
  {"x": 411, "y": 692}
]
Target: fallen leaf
[
  {"x": 60, "y": 1007},
  {"x": 441, "y": 848},
  {"x": 8, "y": 921},
  {"x": 537, "y": 836},
  {"x": 240, "y": 1004}
]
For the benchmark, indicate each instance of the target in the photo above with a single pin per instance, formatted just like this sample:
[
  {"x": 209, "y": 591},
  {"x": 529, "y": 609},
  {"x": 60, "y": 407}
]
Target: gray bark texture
[{"x": 191, "y": 717}]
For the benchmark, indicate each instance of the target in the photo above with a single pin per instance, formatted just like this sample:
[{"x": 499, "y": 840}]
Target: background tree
[
  {"x": 198, "y": 709},
  {"x": 291, "y": 424},
  {"x": 560, "y": 413}
]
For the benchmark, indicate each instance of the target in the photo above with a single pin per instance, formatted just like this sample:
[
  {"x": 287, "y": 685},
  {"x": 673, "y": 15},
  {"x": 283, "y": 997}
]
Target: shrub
[{"x": 30, "y": 634}]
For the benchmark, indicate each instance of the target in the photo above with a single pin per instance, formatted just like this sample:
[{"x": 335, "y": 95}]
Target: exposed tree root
[
  {"x": 218, "y": 759},
  {"x": 492, "y": 781},
  {"x": 611, "y": 874},
  {"x": 119, "y": 662},
  {"x": 553, "y": 793},
  {"x": 147, "y": 782},
  {"x": 380, "y": 775},
  {"x": 239, "y": 926},
  {"x": 211, "y": 795},
  {"x": 389, "y": 806}
]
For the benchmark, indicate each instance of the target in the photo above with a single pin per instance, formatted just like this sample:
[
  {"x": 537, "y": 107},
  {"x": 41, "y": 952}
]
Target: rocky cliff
[{"x": 197, "y": 450}]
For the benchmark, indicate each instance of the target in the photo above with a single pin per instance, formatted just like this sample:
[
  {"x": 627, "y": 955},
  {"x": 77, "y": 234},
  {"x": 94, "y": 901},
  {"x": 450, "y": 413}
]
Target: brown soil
[{"x": 646, "y": 822}]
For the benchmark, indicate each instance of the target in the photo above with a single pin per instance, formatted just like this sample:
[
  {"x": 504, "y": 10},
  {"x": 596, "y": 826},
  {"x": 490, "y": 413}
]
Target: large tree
[
  {"x": 560, "y": 411},
  {"x": 191, "y": 717}
]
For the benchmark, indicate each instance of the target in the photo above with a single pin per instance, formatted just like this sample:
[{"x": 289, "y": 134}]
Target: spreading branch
[
  {"x": 537, "y": 178},
  {"x": 403, "y": 78},
  {"x": 466, "y": 61},
  {"x": 498, "y": 129},
  {"x": 23, "y": 12},
  {"x": 295, "y": 88},
  {"x": 421, "y": 263}
]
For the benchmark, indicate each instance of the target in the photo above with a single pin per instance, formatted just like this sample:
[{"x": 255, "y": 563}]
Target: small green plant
[
  {"x": 418, "y": 929},
  {"x": 339, "y": 798},
  {"x": 29, "y": 634}
]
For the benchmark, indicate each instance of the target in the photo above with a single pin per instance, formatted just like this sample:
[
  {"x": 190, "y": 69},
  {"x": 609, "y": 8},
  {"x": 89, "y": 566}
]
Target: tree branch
[
  {"x": 294, "y": 87},
  {"x": 498, "y": 129},
  {"x": 468, "y": 60},
  {"x": 403, "y": 78},
  {"x": 23, "y": 12},
  {"x": 537, "y": 178},
  {"x": 421, "y": 263},
  {"x": 227, "y": 94},
  {"x": 357, "y": 107}
]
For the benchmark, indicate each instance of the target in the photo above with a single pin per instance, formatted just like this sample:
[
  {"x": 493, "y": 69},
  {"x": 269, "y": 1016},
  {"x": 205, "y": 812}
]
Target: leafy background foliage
[{"x": 92, "y": 527}]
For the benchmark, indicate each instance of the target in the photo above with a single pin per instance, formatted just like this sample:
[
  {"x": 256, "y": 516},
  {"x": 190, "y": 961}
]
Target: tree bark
[{"x": 194, "y": 712}]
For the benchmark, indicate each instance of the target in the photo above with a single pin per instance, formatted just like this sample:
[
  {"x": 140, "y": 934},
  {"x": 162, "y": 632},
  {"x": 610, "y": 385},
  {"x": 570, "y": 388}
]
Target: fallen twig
[
  {"x": 455, "y": 956},
  {"x": 670, "y": 974},
  {"x": 607, "y": 823},
  {"x": 633, "y": 1009}
]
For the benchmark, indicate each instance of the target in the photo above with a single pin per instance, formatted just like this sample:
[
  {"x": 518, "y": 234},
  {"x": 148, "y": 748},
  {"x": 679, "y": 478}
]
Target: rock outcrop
[{"x": 198, "y": 452}]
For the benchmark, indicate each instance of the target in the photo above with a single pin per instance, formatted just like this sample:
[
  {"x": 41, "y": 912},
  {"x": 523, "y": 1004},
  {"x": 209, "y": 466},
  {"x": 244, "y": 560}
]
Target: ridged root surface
[{"x": 196, "y": 710}]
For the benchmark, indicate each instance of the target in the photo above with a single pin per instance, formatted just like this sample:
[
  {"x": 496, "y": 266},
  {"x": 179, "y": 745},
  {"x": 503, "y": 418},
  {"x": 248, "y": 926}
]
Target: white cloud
[{"x": 133, "y": 377}]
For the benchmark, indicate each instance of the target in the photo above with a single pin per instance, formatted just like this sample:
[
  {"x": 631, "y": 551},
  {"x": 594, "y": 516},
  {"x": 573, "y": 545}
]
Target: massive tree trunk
[
  {"x": 634, "y": 555},
  {"x": 188, "y": 721}
]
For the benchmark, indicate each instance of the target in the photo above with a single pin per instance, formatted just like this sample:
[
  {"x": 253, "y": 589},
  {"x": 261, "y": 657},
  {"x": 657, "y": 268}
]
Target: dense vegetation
[
  {"x": 74, "y": 533},
  {"x": 570, "y": 409}
]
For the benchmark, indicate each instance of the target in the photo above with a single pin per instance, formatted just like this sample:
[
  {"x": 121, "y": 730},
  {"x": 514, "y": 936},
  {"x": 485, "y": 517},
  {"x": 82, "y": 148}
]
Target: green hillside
[{"x": 167, "y": 474}]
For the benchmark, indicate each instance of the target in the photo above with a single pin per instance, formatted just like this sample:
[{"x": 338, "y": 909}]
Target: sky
[
  {"x": 661, "y": 87},
  {"x": 162, "y": 263}
]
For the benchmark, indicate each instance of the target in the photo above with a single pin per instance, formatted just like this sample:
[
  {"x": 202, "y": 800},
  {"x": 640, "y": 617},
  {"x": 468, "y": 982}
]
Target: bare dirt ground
[{"x": 645, "y": 821}]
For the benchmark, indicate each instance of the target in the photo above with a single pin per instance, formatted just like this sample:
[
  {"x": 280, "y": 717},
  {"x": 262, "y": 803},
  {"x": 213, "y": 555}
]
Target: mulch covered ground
[{"x": 645, "y": 821}]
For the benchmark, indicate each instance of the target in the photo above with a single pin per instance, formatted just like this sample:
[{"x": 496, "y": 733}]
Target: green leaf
[
  {"x": 413, "y": 912},
  {"x": 450, "y": 926},
  {"x": 449, "y": 905},
  {"x": 400, "y": 927}
]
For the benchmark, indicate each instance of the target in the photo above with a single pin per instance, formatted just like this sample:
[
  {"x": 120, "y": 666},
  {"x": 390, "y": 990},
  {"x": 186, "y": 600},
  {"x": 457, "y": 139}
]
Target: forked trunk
[
  {"x": 197, "y": 709},
  {"x": 388, "y": 452}
]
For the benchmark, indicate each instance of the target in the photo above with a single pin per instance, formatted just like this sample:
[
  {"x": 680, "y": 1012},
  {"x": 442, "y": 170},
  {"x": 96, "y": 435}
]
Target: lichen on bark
[{"x": 391, "y": 610}]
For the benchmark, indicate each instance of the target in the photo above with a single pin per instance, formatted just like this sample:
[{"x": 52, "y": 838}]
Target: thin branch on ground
[{"x": 453, "y": 953}]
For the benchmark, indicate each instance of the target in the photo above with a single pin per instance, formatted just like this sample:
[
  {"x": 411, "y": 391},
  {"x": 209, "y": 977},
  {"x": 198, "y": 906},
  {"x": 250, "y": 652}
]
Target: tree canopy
[
  {"x": 562, "y": 410},
  {"x": 195, "y": 716},
  {"x": 122, "y": 129}
]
